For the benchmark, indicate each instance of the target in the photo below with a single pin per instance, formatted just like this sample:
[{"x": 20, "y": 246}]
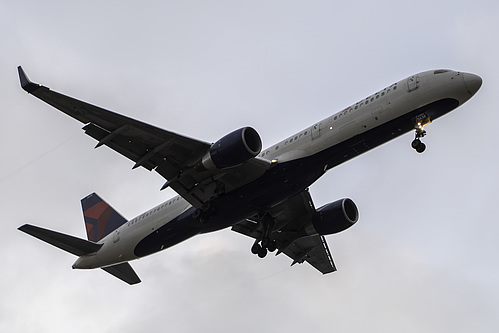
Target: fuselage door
[
  {"x": 412, "y": 83},
  {"x": 316, "y": 131}
]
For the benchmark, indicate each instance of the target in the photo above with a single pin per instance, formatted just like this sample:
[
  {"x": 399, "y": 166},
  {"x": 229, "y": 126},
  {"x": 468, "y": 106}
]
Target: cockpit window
[{"x": 441, "y": 71}]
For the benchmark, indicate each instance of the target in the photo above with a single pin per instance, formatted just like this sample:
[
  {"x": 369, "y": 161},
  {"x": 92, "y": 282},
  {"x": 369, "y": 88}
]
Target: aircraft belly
[{"x": 173, "y": 232}]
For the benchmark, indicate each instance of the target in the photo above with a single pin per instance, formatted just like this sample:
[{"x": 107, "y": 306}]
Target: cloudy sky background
[{"x": 421, "y": 258}]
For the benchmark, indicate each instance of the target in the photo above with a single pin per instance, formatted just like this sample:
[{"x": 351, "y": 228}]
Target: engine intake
[
  {"x": 233, "y": 149},
  {"x": 335, "y": 217}
]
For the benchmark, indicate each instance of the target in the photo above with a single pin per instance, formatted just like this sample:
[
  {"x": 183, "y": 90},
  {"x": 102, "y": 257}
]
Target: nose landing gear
[{"x": 421, "y": 122}]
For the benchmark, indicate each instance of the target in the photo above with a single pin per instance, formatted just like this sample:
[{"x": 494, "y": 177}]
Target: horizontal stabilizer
[
  {"x": 123, "y": 272},
  {"x": 76, "y": 246}
]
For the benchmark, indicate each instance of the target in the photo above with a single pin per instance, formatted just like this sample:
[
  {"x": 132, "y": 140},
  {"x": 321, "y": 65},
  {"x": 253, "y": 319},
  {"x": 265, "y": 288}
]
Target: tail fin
[{"x": 100, "y": 218}]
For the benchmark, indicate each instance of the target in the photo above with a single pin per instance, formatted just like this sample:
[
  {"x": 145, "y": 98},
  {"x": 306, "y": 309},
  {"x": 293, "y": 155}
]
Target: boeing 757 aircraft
[{"x": 234, "y": 183}]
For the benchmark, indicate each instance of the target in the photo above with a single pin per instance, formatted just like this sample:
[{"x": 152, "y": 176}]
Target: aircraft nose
[{"x": 473, "y": 82}]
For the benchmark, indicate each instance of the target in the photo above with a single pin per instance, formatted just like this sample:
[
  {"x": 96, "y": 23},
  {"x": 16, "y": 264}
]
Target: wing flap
[{"x": 313, "y": 250}]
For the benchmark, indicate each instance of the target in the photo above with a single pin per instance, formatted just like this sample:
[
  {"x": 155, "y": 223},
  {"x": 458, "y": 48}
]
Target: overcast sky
[{"x": 422, "y": 257}]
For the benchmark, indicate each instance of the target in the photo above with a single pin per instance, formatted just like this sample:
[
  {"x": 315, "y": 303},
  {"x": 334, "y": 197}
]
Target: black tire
[
  {"x": 421, "y": 148},
  {"x": 262, "y": 253},
  {"x": 415, "y": 143},
  {"x": 256, "y": 248},
  {"x": 197, "y": 214}
]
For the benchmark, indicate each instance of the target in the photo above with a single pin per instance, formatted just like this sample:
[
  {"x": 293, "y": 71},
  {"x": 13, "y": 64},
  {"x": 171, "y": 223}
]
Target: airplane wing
[
  {"x": 171, "y": 155},
  {"x": 290, "y": 217}
]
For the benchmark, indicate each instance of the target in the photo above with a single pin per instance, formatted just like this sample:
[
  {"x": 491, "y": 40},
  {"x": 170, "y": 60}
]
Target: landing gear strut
[
  {"x": 204, "y": 214},
  {"x": 265, "y": 245},
  {"x": 422, "y": 120}
]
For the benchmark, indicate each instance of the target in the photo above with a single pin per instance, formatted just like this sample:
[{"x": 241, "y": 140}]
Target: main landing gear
[
  {"x": 261, "y": 248},
  {"x": 265, "y": 245},
  {"x": 422, "y": 120},
  {"x": 203, "y": 214}
]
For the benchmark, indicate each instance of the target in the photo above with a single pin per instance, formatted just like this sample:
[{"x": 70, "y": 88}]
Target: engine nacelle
[
  {"x": 335, "y": 217},
  {"x": 233, "y": 149}
]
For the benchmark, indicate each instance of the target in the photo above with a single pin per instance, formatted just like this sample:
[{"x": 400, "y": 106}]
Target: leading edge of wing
[{"x": 111, "y": 122}]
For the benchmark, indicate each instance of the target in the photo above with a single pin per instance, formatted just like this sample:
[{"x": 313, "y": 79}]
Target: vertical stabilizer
[{"x": 100, "y": 218}]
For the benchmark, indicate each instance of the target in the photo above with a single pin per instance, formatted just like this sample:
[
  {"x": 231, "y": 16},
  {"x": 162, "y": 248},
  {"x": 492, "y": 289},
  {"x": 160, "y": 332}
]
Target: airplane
[{"x": 233, "y": 183}]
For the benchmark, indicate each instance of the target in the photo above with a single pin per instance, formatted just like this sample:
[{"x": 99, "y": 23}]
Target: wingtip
[
  {"x": 23, "y": 227},
  {"x": 26, "y": 84}
]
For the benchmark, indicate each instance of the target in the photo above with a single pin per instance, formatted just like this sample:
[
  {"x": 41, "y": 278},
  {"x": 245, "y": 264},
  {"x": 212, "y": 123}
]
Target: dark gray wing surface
[
  {"x": 314, "y": 250},
  {"x": 172, "y": 155},
  {"x": 291, "y": 218},
  {"x": 123, "y": 272}
]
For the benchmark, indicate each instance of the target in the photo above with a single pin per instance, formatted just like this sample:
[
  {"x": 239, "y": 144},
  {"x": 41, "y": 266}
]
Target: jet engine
[
  {"x": 233, "y": 149},
  {"x": 335, "y": 217}
]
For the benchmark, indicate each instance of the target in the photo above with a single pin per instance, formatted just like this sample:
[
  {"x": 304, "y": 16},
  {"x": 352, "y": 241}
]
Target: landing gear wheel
[
  {"x": 421, "y": 148},
  {"x": 204, "y": 214},
  {"x": 262, "y": 253},
  {"x": 418, "y": 145},
  {"x": 197, "y": 213},
  {"x": 256, "y": 248}
]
